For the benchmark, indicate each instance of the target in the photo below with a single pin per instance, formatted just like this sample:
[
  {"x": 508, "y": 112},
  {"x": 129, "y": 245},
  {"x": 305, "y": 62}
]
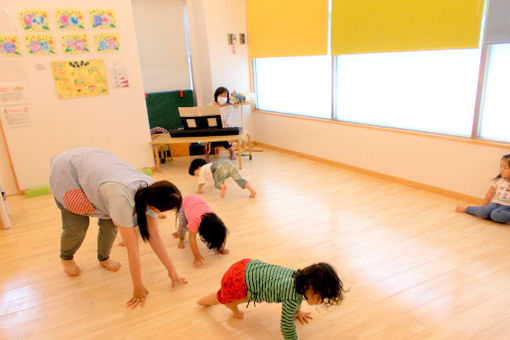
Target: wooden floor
[{"x": 415, "y": 268}]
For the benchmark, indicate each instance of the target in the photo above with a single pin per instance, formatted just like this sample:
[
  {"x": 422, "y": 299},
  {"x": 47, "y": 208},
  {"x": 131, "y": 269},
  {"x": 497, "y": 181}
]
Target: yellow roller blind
[
  {"x": 284, "y": 28},
  {"x": 367, "y": 26}
]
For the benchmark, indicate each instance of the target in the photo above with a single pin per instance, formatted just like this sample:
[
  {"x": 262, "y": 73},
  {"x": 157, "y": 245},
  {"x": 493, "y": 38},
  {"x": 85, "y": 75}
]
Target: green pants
[
  {"x": 224, "y": 169},
  {"x": 74, "y": 228}
]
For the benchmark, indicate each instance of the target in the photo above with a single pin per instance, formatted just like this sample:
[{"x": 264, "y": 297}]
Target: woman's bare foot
[
  {"x": 71, "y": 268},
  {"x": 110, "y": 265},
  {"x": 223, "y": 189},
  {"x": 460, "y": 209}
]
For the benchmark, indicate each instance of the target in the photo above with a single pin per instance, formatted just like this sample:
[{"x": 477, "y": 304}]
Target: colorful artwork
[
  {"x": 34, "y": 20},
  {"x": 40, "y": 44},
  {"x": 75, "y": 43},
  {"x": 102, "y": 18},
  {"x": 107, "y": 42},
  {"x": 9, "y": 46},
  {"x": 79, "y": 78},
  {"x": 69, "y": 19}
]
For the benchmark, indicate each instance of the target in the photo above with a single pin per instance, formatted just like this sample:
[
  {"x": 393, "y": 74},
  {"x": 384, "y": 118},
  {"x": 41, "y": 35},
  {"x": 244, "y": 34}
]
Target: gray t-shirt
[{"x": 94, "y": 182}]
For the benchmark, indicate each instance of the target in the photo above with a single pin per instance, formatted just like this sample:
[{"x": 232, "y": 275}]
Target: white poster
[
  {"x": 11, "y": 95},
  {"x": 17, "y": 116}
]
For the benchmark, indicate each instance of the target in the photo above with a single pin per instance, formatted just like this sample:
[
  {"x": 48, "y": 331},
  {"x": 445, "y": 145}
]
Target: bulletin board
[{"x": 59, "y": 90}]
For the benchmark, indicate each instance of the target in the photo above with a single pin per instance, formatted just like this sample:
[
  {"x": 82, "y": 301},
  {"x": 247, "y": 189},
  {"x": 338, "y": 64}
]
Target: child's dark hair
[
  {"x": 212, "y": 231},
  {"x": 507, "y": 158},
  {"x": 161, "y": 195},
  {"x": 323, "y": 280},
  {"x": 195, "y": 164},
  {"x": 219, "y": 91}
]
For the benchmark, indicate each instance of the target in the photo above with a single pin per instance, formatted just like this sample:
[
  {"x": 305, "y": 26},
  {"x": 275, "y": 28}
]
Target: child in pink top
[{"x": 195, "y": 216}]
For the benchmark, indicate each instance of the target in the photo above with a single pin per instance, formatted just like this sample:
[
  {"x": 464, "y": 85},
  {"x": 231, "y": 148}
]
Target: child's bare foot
[
  {"x": 223, "y": 189},
  {"x": 121, "y": 244},
  {"x": 110, "y": 265},
  {"x": 460, "y": 209},
  {"x": 252, "y": 191},
  {"x": 224, "y": 251},
  {"x": 239, "y": 315},
  {"x": 71, "y": 268},
  {"x": 161, "y": 215},
  {"x": 180, "y": 244},
  {"x": 176, "y": 235}
]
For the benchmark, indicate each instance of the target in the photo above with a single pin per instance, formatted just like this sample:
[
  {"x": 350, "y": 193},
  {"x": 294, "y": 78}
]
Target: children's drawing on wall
[
  {"x": 107, "y": 42},
  {"x": 69, "y": 19},
  {"x": 34, "y": 20},
  {"x": 9, "y": 46},
  {"x": 75, "y": 43},
  {"x": 80, "y": 78},
  {"x": 17, "y": 116},
  {"x": 102, "y": 18},
  {"x": 39, "y": 44}
]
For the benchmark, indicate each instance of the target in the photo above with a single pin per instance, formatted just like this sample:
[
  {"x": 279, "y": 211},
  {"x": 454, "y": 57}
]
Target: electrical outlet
[{"x": 231, "y": 38}]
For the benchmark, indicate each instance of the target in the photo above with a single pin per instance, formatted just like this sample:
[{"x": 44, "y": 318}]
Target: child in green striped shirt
[{"x": 253, "y": 280}]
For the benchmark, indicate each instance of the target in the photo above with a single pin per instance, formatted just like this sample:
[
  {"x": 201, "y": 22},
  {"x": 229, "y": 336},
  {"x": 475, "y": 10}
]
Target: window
[
  {"x": 495, "y": 112},
  {"x": 297, "y": 85},
  {"x": 432, "y": 91}
]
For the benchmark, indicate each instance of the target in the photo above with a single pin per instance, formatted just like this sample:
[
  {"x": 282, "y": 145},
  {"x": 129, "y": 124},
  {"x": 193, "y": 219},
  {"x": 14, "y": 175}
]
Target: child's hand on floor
[
  {"x": 176, "y": 279},
  {"x": 303, "y": 317},
  {"x": 199, "y": 261}
]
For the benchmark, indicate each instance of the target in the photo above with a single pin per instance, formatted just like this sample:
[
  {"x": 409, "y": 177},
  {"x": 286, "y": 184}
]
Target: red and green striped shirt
[{"x": 272, "y": 283}]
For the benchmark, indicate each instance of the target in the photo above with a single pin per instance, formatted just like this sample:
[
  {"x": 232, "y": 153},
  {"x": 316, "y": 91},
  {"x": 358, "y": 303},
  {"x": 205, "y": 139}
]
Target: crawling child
[
  {"x": 253, "y": 280},
  {"x": 196, "y": 217},
  {"x": 218, "y": 172}
]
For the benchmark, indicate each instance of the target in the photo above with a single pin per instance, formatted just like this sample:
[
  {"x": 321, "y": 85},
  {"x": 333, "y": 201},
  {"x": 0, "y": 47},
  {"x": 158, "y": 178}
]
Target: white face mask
[{"x": 222, "y": 100}]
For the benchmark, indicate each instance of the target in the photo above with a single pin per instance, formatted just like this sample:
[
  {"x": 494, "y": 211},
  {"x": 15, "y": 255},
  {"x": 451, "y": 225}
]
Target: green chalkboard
[{"x": 162, "y": 108}]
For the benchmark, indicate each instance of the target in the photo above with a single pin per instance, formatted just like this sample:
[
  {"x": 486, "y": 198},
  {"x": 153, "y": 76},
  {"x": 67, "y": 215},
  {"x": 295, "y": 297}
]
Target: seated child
[
  {"x": 253, "y": 280},
  {"x": 496, "y": 205},
  {"x": 218, "y": 172},
  {"x": 195, "y": 216}
]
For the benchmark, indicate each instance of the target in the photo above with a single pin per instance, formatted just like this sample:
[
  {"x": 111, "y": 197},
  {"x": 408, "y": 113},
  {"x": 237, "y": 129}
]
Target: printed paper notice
[
  {"x": 17, "y": 116},
  {"x": 10, "y": 95}
]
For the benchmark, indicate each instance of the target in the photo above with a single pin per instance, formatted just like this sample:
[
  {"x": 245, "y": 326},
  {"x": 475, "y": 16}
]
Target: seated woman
[{"x": 222, "y": 99}]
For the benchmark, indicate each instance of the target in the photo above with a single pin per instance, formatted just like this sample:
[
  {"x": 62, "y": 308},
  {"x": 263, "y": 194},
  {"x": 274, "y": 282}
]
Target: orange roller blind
[
  {"x": 367, "y": 26},
  {"x": 284, "y": 28}
]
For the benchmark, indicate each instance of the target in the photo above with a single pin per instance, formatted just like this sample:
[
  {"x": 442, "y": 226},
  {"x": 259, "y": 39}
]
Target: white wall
[
  {"x": 449, "y": 164},
  {"x": 6, "y": 176},
  {"x": 117, "y": 121},
  {"x": 161, "y": 40},
  {"x": 214, "y": 62}
]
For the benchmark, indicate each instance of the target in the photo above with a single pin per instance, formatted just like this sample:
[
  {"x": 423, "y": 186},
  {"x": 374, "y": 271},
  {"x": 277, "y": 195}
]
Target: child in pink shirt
[{"x": 195, "y": 216}]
